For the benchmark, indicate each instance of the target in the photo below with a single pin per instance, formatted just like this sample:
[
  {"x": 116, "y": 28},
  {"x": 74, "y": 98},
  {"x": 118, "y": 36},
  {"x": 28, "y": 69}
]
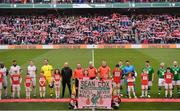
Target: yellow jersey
[{"x": 47, "y": 69}]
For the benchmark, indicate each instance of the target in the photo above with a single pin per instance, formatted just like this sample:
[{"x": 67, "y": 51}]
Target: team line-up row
[{"x": 122, "y": 74}]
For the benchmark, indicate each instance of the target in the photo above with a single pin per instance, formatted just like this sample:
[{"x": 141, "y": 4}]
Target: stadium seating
[{"x": 90, "y": 29}]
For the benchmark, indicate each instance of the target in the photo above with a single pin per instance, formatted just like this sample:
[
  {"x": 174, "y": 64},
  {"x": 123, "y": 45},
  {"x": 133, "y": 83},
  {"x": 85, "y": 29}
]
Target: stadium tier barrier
[
  {"x": 91, "y": 5},
  {"x": 101, "y": 46}
]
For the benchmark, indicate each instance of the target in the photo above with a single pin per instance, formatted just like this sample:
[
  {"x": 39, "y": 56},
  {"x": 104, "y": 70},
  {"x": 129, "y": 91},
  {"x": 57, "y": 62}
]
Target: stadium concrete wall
[{"x": 101, "y": 46}]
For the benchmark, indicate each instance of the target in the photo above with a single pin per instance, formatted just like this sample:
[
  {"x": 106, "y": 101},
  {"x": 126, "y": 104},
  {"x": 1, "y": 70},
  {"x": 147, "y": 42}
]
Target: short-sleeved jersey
[
  {"x": 117, "y": 74},
  {"x": 4, "y": 71},
  {"x": 78, "y": 73},
  {"x": 104, "y": 72},
  {"x": 32, "y": 70},
  {"x": 15, "y": 78},
  {"x": 92, "y": 72},
  {"x": 144, "y": 79},
  {"x": 121, "y": 67},
  {"x": 150, "y": 71},
  {"x": 57, "y": 77},
  {"x": 14, "y": 68},
  {"x": 168, "y": 77},
  {"x": 47, "y": 69},
  {"x": 176, "y": 72},
  {"x": 130, "y": 81},
  {"x": 1, "y": 77},
  {"x": 42, "y": 81},
  {"x": 161, "y": 72},
  {"x": 28, "y": 82}
]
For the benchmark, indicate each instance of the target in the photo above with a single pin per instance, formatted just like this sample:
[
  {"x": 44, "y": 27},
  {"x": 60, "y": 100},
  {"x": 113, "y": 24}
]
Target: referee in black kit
[{"x": 66, "y": 73}]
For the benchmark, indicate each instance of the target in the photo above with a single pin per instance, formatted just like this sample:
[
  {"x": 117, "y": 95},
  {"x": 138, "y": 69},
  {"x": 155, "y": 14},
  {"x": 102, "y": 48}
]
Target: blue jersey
[{"x": 128, "y": 69}]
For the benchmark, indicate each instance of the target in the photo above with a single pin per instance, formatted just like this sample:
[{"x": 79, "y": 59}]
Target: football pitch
[{"x": 57, "y": 57}]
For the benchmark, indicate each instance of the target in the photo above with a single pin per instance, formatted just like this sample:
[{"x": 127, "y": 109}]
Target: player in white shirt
[
  {"x": 14, "y": 68},
  {"x": 32, "y": 70},
  {"x": 4, "y": 70}
]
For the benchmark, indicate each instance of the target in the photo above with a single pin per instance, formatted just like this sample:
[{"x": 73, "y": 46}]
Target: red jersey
[
  {"x": 92, "y": 72},
  {"x": 1, "y": 77},
  {"x": 117, "y": 74},
  {"x": 130, "y": 81},
  {"x": 15, "y": 79},
  {"x": 104, "y": 72},
  {"x": 168, "y": 77},
  {"x": 28, "y": 82},
  {"x": 116, "y": 99},
  {"x": 42, "y": 81},
  {"x": 57, "y": 77},
  {"x": 144, "y": 79},
  {"x": 78, "y": 73}
]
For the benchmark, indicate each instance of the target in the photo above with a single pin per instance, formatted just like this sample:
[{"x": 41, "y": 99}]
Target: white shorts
[
  {"x": 0, "y": 85},
  {"x": 42, "y": 88},
  {"x": 144, "y": 87},
  {"x": 33, "y": 81},
  {"x": 130, "y": 88},
  {"x": 16, "y": 87},
  {"x": 161, "y": 82},
  {"x": 5, "y": 82},
  {"x": 149, "y": 83},
  {"x": 57, "y": 84},
  {"x": 176, "y": 83},
  {"x": 28, "y": 89},
  {"x": 168, "y": 86}
]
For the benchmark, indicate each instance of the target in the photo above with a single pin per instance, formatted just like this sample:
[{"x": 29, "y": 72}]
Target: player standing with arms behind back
[
  {"x": 161, "y": 72},
  {"x": 48, "y": 70},
  {"x": 175, "y": 69},
  {"x": 104, "y": 71},
  {"x": 168, "y": 78},
  {"x": 32, "y": 71}
]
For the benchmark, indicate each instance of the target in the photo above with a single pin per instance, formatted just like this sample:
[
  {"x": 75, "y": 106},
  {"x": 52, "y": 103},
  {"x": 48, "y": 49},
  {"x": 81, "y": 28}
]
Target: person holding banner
[
  {"x": 104, "y": 71},
  {"x": 92, "y": 71},
  {"x": 78, "y": 74}
]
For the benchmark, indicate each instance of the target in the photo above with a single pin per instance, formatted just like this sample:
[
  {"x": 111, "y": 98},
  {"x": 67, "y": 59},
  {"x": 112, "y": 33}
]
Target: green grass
[{"x": 82, "y": 56}]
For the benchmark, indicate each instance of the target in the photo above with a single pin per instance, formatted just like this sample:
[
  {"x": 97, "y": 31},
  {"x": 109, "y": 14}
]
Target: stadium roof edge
[{"x": 94, "y": 5}]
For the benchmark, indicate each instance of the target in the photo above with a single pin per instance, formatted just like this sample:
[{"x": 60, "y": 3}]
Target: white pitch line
[{"x": 92, "y": 52}]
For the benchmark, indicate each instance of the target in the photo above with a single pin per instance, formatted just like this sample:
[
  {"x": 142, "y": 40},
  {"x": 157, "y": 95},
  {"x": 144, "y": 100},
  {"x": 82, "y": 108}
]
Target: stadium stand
[{"x": 89, "y": 29}]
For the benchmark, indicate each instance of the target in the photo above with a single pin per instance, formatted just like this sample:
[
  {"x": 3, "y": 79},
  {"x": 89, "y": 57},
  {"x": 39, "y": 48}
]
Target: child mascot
[
  {"x": 73, "y": 102},
  {"x": 116, "y": 100}
]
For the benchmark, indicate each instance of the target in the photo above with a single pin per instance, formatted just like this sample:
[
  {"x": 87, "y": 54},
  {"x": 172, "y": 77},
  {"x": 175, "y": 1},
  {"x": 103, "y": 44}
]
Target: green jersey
[
  {"x": 161, "y": 72},
  {"x": 122, "y": 68},
  {"x": 176, "y": 72},
  {"x": 150, "y": 72}
]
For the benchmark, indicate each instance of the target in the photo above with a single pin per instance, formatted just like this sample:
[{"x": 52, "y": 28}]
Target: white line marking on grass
[{"x": 92, "y": 52}]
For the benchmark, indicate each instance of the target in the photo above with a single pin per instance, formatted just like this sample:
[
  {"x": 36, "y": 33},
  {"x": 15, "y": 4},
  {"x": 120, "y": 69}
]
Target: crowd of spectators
[
  {"x": 81, "y": 1},
  {"x": 89, "y": 29}
]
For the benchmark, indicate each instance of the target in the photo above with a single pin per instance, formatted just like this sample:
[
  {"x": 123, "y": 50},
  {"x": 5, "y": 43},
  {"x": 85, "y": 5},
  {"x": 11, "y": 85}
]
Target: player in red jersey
[
  {"x": 15, "y": 81},
  {"x": 130, "y": 82},
  {"x": 104, "y": 71},
  {"x": 1, "y": 80},
  {"x": 42, "y": 85},
  {"x": 144, "y": 83},
  {"x": 117, "y": 74},
  {"x": 168, "y": 78},
  {"x": 57, "y": 82},
  {"x": 28, "y": 84}
]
